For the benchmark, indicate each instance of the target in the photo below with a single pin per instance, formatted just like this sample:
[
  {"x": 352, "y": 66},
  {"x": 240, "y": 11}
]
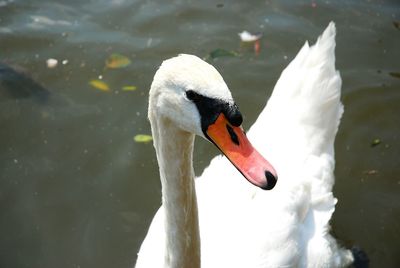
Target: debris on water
[
  {"x": 100, "y": 85},
  {"x": 371, "y": 172},
  {"x": 252, "y": 39},
  {"x": 246, "y": 36},
  {"x": 64, "y": 62},
  {"x": 396, "y": 24},
  {"x": 257, "y": 47},
  {"x": 51, "y": 63},
  {"x": 395, "y": 74},
  {"x": 313, "y": 4},
  {"x": 117, "y": 61},
  {"x": 129, "y": 88},
  {"x": 220, "y": 52},
  {"x": 149, "y": 42},
  {"x": 143, "y": 138},
  {"x": 219, "y": 5},
  {"x": 375, "y": 142}
]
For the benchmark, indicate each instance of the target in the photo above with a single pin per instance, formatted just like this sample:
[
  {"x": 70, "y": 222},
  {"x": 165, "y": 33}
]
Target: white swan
[{"x": 238, "y": 224}]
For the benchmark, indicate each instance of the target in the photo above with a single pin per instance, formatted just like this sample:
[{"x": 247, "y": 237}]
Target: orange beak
[{"x": 234, "y": 144}]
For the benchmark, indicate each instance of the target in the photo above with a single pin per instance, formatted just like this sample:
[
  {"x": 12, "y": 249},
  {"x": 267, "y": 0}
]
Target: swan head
[{"x": 193, "y": 95}]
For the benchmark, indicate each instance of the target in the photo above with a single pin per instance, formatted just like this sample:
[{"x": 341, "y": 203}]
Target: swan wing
[
  {"x": 289, "y": 225},
  {"x": 303, "y": 114},
  {"x": 152, "y": 251}
]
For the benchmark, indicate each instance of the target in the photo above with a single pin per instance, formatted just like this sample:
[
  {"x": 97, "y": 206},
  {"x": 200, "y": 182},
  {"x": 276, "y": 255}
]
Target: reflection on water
[{"x": 77, "y": 191}]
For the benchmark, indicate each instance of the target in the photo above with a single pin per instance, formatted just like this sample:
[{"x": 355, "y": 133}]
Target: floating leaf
[
  {"x": 143, "y": 138},
  {"x": 101, "y": 85},
  {"x": 375, "y": 142},
  {"x": 117, "y": 61},
  {"x": 395, "y": 74},
  {"x": 220, "y": 52},
  {"x": 129, "y": 88}
]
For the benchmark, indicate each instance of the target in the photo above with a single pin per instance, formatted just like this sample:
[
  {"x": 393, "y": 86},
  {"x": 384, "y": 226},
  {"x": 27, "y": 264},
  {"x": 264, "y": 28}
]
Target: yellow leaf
[
  {"x": 143, "y": 138},
  {"x": 99, "y": 85},
  {"x": 117, "y": 61},
  {"x": 129, "y": 88}
]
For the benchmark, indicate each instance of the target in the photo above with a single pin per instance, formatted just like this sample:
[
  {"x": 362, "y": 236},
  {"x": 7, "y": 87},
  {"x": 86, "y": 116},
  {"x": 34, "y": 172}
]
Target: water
[{"x": 77, "y": 191}]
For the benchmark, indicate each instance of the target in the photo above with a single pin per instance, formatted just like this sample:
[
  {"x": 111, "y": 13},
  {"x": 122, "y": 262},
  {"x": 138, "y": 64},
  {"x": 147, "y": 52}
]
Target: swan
[{"x": 221, "y": 220}]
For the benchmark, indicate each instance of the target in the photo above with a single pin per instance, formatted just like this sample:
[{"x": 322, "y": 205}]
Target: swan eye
[{"x": 193, "y": 96}]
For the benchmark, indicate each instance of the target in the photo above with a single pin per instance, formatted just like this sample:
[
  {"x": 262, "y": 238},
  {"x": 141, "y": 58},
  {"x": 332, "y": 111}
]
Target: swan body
[{"x": 231, "y": 222}]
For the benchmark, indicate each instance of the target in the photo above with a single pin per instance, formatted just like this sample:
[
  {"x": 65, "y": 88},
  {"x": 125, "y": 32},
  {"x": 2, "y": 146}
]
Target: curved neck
[{"x": 174, "y": 149}]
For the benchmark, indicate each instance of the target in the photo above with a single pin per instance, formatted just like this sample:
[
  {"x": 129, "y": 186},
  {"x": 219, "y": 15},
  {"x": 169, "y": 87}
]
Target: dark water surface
[{"x": 77, "y": 191}]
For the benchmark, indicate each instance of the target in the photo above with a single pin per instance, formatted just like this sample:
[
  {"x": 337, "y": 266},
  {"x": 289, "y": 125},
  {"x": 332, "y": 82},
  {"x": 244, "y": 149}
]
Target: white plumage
[{"x": 244, "y": 226}]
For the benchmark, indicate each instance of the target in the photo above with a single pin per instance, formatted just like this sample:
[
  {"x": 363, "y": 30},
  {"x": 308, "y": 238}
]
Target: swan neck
[{"x": 174, "y": 149}]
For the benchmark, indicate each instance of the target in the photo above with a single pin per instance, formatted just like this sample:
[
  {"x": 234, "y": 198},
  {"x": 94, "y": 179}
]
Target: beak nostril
[
  {"x": 232, "y": 134},
  {"x": 271, "y": 180}
]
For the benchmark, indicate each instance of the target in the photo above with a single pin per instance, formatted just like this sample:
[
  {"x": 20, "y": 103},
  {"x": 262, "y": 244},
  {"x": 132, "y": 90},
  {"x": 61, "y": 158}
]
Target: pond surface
[{"x": 77, "y": 191}]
